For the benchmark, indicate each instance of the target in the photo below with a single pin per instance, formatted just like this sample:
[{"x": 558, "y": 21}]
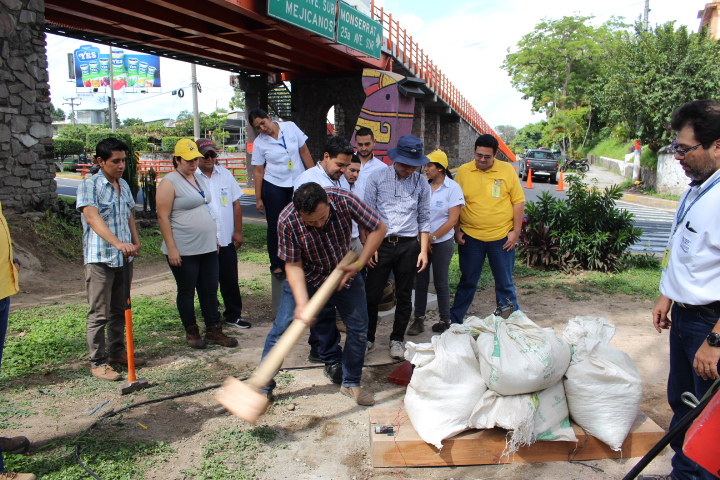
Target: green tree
[
  {"x": 554, "y": 64},
  {"x": 237, "y": 102},
  {"x": 129, "y": 122},
  {"x": 57, "y": 114},
  {"x": 652, "y": 73},
  {"x": 567, "y": 127},
  {"x": 529, "y": 136},
  {"x": 507, "y": 133}
]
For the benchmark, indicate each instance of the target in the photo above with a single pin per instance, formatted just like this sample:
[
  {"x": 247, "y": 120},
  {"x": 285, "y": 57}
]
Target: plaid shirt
[
  {"x": 97, "y": 192},
  {"x": 321, "y": 249}
]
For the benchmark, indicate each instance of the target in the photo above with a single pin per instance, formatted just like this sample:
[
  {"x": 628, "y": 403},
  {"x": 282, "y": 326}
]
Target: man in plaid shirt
[
  {"x": 109, "y": 237},
  {"x": 314, "y": 235}
]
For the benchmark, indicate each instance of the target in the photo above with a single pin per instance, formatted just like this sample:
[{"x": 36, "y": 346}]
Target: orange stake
[
  {"x": 561, "y": 183},
  {"x": 528, "y": 184}
]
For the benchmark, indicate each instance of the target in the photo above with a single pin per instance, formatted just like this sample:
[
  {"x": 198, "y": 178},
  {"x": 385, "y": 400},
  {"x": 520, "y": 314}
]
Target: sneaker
[
  {"x": 340, "y": 326},
  {"x": 417, "y": 327},
  {"x": 105, "y": 372},
  {"x": 314, "y": 358},
  {"x": 239, "y": 322},
  {"x": 16, "y": 445},
  {"x": 361, "y": 396},
  {"x": 193, "y": 338},
  {"x": 440, "y": 327},
  {"x": 396, "y": 349},
  {"x": 17, "y": 476},
  {"x": 369, "y": 347},
  {"x": 123, "y": 359},
  {"x": 334, "y": 372},
  {"x": 215, "y": 335}
]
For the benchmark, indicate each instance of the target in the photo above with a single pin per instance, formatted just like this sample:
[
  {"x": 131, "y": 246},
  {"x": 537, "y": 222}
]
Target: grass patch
[
  {"x": 617, "y": 149},
  {"x": 254, "y": 249},
  {"x": 10, "y": 411},
  {"x": 150, "y": 241},
  {"x": 641, "y": 283},
  {"x": 232, "y": 454},
  {"x": 62, "y": 238},
  {"x": 108, "y": 457}
]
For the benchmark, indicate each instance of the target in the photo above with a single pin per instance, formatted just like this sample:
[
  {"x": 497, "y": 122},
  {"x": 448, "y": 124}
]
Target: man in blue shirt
[{"x": 110, "y": 240}]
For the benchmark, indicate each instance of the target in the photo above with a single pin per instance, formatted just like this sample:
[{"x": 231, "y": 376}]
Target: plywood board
[{"x": 405, "y": 448}]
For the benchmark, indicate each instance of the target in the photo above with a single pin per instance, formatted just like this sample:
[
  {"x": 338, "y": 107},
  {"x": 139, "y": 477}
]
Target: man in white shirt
[
  {"x": 227, "y": 211},
  {"x": 329, "y": 172},
  {"x": 690, "y": 283},
  {"x": 369, "y": 163}
]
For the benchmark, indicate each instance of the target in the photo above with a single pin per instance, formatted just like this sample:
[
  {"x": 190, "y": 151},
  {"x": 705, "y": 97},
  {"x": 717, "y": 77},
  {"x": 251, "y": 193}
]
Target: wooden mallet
[{"x": 245, "y": 399}]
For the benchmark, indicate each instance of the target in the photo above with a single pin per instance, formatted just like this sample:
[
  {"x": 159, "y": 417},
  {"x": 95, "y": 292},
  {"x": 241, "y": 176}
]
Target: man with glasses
[
  {"x": 228, "y": 216},
  {"x": 402, "y": 198},
  {"x": 489, "y": 226},
  {"x": 690, "y": 282}
]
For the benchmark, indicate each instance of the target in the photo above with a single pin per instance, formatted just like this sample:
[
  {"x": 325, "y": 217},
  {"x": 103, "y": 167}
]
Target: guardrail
[
  {"x": 163, "y": 167},
  {"x": 402, "y": 47}
]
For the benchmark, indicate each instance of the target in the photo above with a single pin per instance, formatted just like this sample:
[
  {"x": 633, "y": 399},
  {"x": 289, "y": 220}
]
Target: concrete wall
[
  {"x": 669, "y": 178},
  {"x": 27, "y": 172}
]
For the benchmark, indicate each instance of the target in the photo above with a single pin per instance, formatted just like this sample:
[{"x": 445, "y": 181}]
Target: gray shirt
[{"x": 193, "y": 227}]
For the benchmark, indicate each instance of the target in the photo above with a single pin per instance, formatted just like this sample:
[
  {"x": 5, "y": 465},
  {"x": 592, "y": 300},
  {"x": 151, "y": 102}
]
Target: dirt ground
[{"x": 321, "y": 434}]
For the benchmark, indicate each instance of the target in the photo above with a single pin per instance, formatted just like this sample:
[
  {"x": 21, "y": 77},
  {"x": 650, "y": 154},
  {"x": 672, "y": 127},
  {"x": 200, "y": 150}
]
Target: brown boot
[
  {"x": 192, "y": 335},
  {"x": 417, "y": 327},
  {"x": 215, "y": 335},
  {"x": 106, "y": 372},
  {"x": 17, "y": 476},
  {"x": 14, "y": 444}
]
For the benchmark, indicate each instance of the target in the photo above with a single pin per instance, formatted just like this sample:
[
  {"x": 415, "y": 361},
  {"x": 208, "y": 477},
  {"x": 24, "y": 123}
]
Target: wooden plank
[{"x": 483, "y": 447}]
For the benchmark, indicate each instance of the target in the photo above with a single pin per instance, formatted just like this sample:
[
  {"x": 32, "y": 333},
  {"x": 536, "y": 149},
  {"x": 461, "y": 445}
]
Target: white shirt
[
  {"x": 371, "y": 166},
  {"x": 318, "y": 175},
  {"x": 692, "y": 275},
  {"x": 446, "y": 196},
  {"x": 281, "y": 157},
  {"x": 224, "y": 190},
  {"x": 357, "y": 190}
]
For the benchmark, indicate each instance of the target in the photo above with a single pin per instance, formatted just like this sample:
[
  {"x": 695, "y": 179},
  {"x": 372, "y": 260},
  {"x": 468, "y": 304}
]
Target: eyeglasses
[
  {"x": 682, "y": 151},
  {"x": 480, "y": 155},
  {"x": 211, "y": 155}
]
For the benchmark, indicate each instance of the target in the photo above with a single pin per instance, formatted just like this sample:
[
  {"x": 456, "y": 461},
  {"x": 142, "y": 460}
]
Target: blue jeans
[
  {"x": 324, "y": 339},
  {"x": 4, "y": 314},
  {"x": 351, "y": 304},
  {"x": 274, "y": 199},
  {"x": 688, "y": 332},
  {"x": 199, "y": 272},
  {"x": 472, "y": 257},
  {"x": 440, "y": 263}
]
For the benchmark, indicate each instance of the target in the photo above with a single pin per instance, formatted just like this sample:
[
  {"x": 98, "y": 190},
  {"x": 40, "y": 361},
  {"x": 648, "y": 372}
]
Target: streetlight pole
[{"x": 196, "y": 114}]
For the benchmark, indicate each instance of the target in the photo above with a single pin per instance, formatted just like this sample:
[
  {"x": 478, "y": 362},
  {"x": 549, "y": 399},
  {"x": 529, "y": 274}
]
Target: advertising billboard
[{"x": 132, "y": 72}]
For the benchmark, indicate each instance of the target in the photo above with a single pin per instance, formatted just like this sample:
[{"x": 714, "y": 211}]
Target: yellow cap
[
  {"x": 438, "y": 156},
  {"x": 187, "y": 149}
]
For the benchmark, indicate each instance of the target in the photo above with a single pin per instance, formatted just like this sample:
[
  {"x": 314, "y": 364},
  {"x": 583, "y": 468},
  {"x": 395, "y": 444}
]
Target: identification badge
[
  {"x": 496, "y": 188},
  {"x": 666, "y": 259},
  {"x": 224, "y": 197},
  {"x": 290, "y": 164}
]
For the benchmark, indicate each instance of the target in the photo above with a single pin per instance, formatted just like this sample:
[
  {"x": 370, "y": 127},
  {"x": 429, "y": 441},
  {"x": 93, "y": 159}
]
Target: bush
[
  {"x": 130, "y": 174},
  {"x": 140, "y": 144},
  {"x": 168, "y": 143},
  {"x": 586, "y": 231},
  {"x": 67, "y": 146}
]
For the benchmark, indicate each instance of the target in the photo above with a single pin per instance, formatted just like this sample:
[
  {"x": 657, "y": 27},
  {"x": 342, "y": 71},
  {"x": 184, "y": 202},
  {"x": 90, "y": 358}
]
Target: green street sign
[
  {"x": 358, "y": 31},
  {"x": 317, "y": 16}
]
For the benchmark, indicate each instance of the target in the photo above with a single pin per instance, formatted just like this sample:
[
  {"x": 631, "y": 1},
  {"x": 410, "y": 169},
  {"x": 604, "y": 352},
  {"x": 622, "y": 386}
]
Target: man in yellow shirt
[
  {"x": 8, "y": 286},
  {"x": 489, "y": 226}
]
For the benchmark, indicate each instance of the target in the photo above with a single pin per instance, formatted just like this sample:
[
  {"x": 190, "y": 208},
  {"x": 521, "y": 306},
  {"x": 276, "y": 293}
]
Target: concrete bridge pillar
[
  {"x": 432, "y": 132},
  {"x": 313, "y": 97},
  {"x": 27, "y": 171},
  {"x": 256, "y": 90},
  {"x": 450, "y": 138}
]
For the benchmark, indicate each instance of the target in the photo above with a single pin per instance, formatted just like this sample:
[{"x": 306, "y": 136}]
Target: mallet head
[{"x": 242, "y": 400}]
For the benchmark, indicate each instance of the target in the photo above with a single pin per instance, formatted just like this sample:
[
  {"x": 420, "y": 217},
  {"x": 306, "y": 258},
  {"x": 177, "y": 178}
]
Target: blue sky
[{"x": 468, "y": 40}]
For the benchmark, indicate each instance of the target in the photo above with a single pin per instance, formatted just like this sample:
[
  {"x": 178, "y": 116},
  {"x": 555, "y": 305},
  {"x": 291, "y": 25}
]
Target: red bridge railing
[{"x": 406, "y": 50}]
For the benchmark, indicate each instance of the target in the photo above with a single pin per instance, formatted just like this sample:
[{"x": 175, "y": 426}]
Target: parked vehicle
[
  {"x": 580, "y": 165},
  {"x": 543, "y": 163}
]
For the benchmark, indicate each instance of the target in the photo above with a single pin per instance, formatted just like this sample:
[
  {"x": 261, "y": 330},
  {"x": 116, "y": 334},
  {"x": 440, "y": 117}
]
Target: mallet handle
[{"x": 275, "y": 357}]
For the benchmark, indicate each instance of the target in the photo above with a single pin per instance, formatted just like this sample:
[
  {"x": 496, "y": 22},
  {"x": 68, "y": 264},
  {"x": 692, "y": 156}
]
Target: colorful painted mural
[{"x": 387, "y": 112}]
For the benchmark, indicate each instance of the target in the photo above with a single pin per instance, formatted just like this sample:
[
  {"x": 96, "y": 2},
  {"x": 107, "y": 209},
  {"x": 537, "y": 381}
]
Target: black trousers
[
  {"x": 400, "y": 259},
  {"x": 229, "y": 289}
]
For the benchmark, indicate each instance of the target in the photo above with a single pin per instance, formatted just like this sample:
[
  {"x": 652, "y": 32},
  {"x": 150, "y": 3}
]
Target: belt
[
  {"x": 712, "y": 309},
  {"x": 396, "y": 239}
]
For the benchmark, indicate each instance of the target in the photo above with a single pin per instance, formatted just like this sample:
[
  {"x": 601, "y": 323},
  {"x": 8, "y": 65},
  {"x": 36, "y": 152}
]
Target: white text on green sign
[
  {"x": 358, "y": 31},
  {"x": 317, "y": 16}
]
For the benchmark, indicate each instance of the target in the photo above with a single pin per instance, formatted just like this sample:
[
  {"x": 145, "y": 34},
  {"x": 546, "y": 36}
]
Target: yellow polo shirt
[
  {"x": 486, "y": 217},
  {"x": 8, "y": 273}
]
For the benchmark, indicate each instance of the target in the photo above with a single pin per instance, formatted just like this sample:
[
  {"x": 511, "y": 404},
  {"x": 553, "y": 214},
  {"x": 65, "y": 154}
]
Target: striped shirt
[
  {"x": 404, "y": 204},
  {"x": 321, "y": 249},
  {"x": 115, "y": 211}
]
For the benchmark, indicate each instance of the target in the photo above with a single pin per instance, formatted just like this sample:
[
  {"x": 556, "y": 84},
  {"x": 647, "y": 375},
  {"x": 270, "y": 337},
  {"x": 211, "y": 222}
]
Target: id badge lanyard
[{"x": 282, "y": 139}]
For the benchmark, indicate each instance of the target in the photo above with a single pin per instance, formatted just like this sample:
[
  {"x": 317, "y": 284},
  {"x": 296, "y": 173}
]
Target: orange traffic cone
[
  {"x": 528, "y": 184},
  {"x": 561, "y": 184}
]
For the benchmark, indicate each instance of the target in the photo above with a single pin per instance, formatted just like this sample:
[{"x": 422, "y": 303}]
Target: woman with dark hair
[
  {"x": 279, "y": 156},
  {"x": 446, "y": 200},
  {"x": 190, "y": 243}
]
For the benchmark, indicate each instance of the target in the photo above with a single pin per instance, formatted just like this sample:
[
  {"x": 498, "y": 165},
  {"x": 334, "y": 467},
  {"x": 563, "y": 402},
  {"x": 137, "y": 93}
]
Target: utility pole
[
  {"x": 646, "y": 14},
  {"x": 195, "y": 88},
  {"x": 72, "y": 104},
  {"x": 112, "y": 95}
]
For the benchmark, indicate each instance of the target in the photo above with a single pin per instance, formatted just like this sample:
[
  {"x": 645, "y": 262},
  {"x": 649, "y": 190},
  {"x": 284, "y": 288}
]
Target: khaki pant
[{"x": 105, "y": 287}]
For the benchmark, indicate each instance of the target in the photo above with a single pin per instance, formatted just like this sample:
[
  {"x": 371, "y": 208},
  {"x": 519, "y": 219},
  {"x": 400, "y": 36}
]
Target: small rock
[{"x": 290, "y": 406}]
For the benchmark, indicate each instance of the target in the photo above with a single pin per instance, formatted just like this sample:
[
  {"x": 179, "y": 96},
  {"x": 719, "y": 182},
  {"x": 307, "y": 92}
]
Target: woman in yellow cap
[
  {"x": 446, "y": 201},
  {"x": 189, "y": 236}
]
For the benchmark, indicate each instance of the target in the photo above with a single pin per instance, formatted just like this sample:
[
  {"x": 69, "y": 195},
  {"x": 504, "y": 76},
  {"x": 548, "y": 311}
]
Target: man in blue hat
[{"x": 402, "y": 198}]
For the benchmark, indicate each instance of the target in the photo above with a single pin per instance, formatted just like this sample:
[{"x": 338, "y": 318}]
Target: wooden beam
[{"x": 485, "y": 447}]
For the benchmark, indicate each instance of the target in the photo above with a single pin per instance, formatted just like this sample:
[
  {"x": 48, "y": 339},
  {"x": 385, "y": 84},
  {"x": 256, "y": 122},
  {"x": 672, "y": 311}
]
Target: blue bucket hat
[{"x": 409, "y": 151}]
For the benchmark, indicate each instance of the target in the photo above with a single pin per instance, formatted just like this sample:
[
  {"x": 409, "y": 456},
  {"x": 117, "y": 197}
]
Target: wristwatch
[
  {"x": 713, "y": 339},
  {"x": 433, "y": 237}
]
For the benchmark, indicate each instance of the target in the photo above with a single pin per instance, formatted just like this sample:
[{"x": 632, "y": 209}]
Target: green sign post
[
  {"x": 317, "y": 16},
  {"x": 358, "y": 31}
]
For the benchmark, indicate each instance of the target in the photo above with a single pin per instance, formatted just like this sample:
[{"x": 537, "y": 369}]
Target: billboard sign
[{"x": 132, "y": 72}]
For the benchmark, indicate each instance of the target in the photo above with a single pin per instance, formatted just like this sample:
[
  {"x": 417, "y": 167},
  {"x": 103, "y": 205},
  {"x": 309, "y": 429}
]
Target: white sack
[
  {"x": 517, "y": 356},
  {"x": 442, "y": 394},
  {"x": 552, "y": 419},
  {"x": 602, "y": 385},
  {"x": 512, "y": 412},
  {"x": 419, "y": 354}
]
